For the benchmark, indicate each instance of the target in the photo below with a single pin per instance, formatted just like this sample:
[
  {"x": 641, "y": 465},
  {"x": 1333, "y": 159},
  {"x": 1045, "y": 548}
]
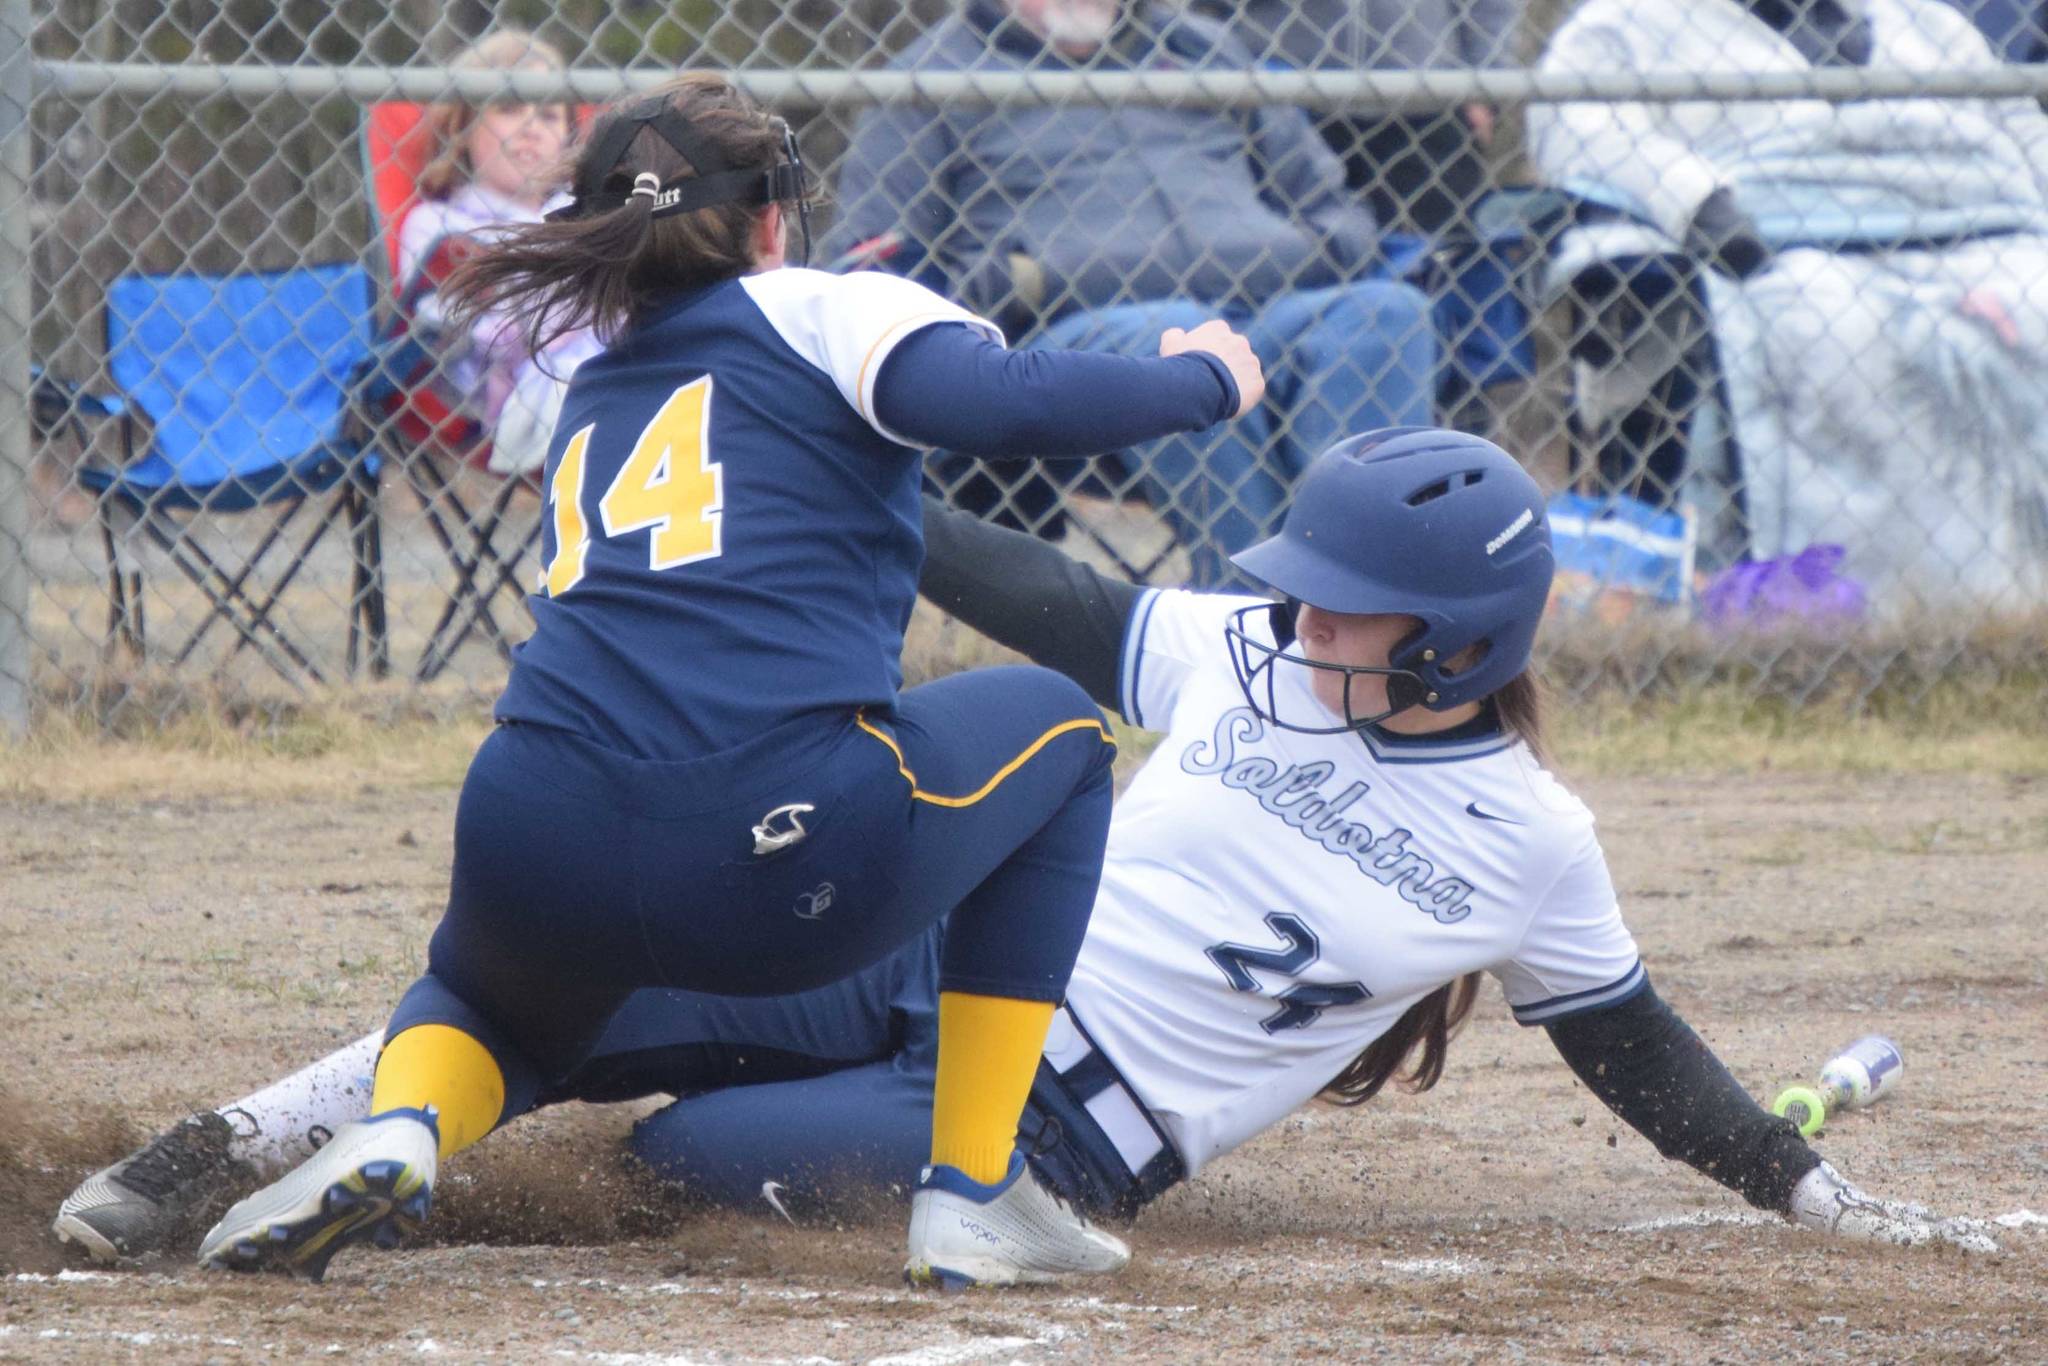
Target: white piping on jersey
[
  {"x": 1292, "y": 794},
  {"x": 1558, "y": 1007},
  {"x": 1134, "y": 655}
]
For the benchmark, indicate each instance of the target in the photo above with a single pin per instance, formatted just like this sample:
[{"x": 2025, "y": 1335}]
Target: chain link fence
[{"x": 1758, "y": 291}]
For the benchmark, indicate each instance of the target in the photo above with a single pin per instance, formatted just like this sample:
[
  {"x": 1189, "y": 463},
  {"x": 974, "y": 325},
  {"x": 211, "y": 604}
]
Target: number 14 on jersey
[{"x": 669, "y": 485}]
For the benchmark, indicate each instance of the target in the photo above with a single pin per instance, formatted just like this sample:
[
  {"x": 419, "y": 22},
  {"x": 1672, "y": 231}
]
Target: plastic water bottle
[{"x": 1862, "y": 1074}]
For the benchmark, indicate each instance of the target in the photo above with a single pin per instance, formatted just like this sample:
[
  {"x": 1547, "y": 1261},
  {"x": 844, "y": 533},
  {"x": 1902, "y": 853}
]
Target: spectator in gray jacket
[
  {"x": 1420, "y": 172},
  {"x": 1084, "y": 226}
]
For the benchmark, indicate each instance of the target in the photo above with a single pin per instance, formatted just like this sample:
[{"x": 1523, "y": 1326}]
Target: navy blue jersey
[{"x": 732, "y": 538}]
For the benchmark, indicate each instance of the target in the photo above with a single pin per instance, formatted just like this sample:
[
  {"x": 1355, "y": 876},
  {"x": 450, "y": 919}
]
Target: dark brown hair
[
  {"x": 1519, "y": 706},
  {"x": 1429, "y": 1024},
  {"x": 605, "y": 269}
]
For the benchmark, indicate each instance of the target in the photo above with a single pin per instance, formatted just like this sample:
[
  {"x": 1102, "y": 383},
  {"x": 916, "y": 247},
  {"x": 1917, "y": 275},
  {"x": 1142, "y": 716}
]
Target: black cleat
[{"x": 139, "y": 1205}]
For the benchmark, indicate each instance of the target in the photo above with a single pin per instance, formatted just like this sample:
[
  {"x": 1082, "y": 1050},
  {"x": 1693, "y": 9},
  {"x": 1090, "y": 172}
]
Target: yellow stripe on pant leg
[
  {"x": 919, "y": 794},
  {"x": 989, "y": 1047},
  {"x": 440, "y": 1066}
]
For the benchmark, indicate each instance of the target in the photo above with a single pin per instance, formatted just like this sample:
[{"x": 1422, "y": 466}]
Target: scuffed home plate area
[{"x": 164, "y": 955}]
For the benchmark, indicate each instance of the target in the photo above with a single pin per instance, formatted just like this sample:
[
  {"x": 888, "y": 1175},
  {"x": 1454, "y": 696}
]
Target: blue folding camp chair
[{"x": 237, "y": 393}]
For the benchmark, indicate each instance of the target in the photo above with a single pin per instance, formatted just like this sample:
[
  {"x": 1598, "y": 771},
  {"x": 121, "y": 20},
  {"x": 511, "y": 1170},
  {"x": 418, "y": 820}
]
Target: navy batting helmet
[{"x": 1422, "y": 521}]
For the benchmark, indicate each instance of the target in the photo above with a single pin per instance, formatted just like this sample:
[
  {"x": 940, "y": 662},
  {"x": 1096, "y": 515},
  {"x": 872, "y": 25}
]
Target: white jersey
[{"x": 1274, "y": 901}]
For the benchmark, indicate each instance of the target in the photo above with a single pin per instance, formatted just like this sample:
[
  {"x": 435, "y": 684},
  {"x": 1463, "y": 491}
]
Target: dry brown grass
[{"x": 1973, "y": 705}]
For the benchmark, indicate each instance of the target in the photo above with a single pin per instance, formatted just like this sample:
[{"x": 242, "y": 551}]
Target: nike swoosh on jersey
[
  {"x": 1472, "y": 809},
  {"x": 771, "y": 1191}
]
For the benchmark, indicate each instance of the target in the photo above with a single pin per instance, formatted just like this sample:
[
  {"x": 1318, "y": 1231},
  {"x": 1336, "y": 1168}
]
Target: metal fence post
[{"x": 16, "y": 70}]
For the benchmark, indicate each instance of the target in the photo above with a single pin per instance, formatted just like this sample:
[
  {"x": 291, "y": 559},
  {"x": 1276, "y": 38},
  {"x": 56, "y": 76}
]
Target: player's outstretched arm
[
  {"x": 952, "y": 388},
  {"x": 1650, "y": 1068},
  {"x": 1021, "y": 592}
]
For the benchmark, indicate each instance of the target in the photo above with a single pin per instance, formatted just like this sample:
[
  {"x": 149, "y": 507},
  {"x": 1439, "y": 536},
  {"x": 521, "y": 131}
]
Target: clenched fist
[{"x": 1217, "y": 338}]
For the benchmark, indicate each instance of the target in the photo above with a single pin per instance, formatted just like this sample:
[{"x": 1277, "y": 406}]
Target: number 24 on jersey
[{"x": 668, "y": 485}]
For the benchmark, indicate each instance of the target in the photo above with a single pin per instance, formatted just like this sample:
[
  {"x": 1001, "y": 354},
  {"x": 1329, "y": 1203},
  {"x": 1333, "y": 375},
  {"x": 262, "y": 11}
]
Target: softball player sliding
[
  {"x": 704, "y": 774},
  {"x": 1347, "y": 819}
]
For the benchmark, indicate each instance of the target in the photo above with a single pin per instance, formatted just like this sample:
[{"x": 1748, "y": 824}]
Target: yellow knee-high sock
[
  {"x": 989, "y": 1047},
  {"x": 439, "y": 1065}
]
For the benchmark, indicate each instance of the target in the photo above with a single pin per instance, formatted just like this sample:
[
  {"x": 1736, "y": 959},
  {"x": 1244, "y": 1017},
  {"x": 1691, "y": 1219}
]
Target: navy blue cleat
[
  {"x": 963, "y": 1233},
  {"x": 372, "y": 1183}
]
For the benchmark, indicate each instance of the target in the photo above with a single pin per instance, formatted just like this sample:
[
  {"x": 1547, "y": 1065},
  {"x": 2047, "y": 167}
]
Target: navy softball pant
[
  {"x": 824, "y": 1095},
  {"x": 582, "y": 874}
]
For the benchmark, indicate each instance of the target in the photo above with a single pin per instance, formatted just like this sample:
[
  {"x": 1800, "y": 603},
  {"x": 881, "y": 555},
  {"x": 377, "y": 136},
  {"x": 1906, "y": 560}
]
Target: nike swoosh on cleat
[
  {"x": 1472, "y": 809},
  {"x": 771, "y": 1191}
]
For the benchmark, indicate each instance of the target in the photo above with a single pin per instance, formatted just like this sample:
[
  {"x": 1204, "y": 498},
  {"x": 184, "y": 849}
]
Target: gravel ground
[{"x": 165, "y": 954}]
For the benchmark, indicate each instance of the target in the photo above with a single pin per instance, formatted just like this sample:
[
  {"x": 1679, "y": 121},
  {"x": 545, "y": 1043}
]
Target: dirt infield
[{"x": 163, "y": 954}]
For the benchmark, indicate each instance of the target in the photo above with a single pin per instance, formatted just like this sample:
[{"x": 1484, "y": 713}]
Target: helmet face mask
[
  {"x": 1427, "y": 523},
  {"x": 1260, "y": 673}
]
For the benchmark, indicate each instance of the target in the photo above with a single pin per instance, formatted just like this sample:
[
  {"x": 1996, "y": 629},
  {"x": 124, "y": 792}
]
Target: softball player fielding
[{"x": 704, "y": 774}]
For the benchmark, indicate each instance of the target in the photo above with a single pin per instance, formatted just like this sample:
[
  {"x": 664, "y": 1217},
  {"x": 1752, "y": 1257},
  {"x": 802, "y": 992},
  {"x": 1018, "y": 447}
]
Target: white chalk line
[
  {"x": 71, "y": 1277},
  {"x": 1699, "y": 1218},
  {"x": 935, "y": 1354},
  {"x": 1093, "y": 1304},
  {"x": 941, "y": 1354},
  {"x": 2015, "y": 1219},
  {"x": 670, "y": 1359},
  {"x": 1432, "y": 1266},
  {"x": 973, "y": 1349},
  {"x": 142, "y": 1338},
  {"x": 422, "y": 1347}
]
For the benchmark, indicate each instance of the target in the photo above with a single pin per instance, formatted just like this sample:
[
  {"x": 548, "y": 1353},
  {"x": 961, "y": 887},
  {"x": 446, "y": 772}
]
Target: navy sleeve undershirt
[
  {"x": 1648, "y": 1067},
  {"x": 952, "y": 388},
  {"x": 1021, "y": 592}
]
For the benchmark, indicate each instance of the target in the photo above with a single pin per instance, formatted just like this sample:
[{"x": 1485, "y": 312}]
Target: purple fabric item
[{"x": 1805, "y": 588}]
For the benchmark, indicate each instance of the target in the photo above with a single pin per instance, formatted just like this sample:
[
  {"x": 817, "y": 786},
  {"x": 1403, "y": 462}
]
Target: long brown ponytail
[
  {"x": 606, "y": 269},
  {"x": 1429, "y": 1024}
]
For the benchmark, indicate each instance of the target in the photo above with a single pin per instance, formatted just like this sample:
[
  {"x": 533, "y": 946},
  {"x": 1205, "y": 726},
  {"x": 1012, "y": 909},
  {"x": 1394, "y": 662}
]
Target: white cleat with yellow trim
[{"x": 373, "y": 1182}]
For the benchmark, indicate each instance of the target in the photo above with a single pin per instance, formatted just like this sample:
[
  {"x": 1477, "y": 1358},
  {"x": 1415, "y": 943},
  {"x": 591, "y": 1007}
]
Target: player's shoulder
[
  {"x": 846, "y": 326},
  {"x": 847, "y": 321},
  {"x": 1176, "y": 634},
  {"x": 1510, "y": 786},
  {"x": 1192, "y": 627},
  {"x": 806, "y": 287},
  {"x": 1187, "y": 614}
]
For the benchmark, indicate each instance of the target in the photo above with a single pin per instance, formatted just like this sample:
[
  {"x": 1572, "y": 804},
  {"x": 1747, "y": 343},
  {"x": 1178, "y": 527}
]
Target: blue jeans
[{"x": 1338, "y": 361}]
